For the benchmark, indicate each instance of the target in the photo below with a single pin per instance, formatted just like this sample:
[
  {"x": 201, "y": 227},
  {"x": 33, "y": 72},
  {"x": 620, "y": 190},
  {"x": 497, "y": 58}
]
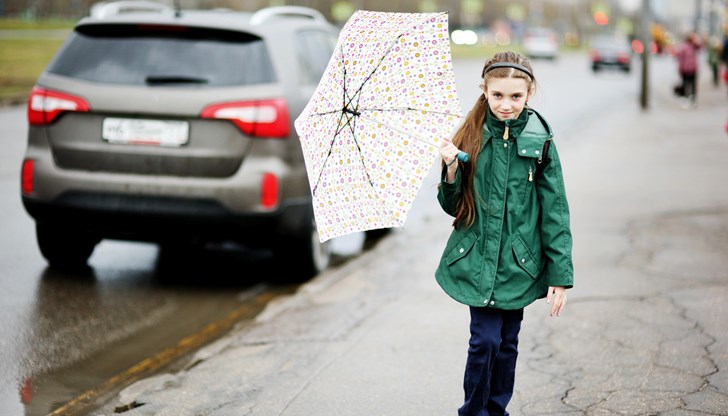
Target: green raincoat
[{"x": 520, "y": 242}]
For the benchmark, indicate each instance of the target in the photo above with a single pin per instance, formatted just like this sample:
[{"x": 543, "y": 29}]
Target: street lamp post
[{"x": 646, "y": 50}]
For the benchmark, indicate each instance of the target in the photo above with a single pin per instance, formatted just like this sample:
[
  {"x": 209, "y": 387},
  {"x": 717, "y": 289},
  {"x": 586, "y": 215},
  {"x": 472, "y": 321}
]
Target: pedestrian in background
[
  {"x": 687, "y": 59},
  {"x": 511, "y": 242},
  {"x": 724, "y": 56},
  {"x": 714, "y": 59}
]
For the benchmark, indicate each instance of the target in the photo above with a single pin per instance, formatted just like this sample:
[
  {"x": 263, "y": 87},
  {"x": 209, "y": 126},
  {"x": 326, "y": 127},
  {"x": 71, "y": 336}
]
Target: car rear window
[{"x": 145, "y": 54}]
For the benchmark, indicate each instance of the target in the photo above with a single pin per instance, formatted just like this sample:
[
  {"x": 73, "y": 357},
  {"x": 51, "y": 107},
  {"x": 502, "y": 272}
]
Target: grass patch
[
  {"x": 485, "y": 52},
  {"x": 26, "y": 47},
  {"x": 479, "y": 51},
  {"x": 21, "y": 62},
  {"x": 32, "y": 24}
]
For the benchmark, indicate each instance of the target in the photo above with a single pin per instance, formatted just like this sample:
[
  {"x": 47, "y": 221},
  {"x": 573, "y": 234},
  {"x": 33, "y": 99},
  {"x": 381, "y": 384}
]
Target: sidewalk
[{"x": 644, "y": 332}]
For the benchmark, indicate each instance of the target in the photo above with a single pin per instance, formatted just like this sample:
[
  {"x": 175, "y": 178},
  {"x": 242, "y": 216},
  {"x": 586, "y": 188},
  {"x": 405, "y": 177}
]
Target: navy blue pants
[{"x": 491, "y": 366}]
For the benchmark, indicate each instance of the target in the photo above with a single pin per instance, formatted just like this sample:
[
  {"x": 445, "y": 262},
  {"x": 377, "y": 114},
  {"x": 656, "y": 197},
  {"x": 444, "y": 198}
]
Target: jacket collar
[
  {"x": 515, "y": 126},
  {"x": 530, "y": 138}
]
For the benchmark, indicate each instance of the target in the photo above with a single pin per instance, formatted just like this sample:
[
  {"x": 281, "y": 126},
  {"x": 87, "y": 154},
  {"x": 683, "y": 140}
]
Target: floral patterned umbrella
[{"x": 372, "y": 129}]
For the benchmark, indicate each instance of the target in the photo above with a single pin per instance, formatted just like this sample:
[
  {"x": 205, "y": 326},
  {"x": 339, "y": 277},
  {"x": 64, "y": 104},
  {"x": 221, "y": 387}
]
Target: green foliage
[
  {"x": 477, "y": 51},
  {"x": 21, "y": 62},
  {"x": 26, "y": 47},
  {"x": 32, "y": 24}
]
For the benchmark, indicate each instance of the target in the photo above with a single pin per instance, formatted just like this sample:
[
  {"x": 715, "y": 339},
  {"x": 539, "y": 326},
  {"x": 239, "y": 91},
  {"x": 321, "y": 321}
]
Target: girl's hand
[
  {"x": 448, "y": 153},
  {"x": 558, "y": 295}
]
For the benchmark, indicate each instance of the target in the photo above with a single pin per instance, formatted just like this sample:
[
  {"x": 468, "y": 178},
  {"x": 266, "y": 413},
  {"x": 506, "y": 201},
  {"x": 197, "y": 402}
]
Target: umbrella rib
[
  {"x": 346, "y": 91},
  {"x": 328, "y": 113},
  {"x": 361, "y": 156},
  {"x": 331, "y": 148},
  {"x": 348, "y": 121},
  {"x": 352, "y": 125},
  {"x": 384, "y": 55}
]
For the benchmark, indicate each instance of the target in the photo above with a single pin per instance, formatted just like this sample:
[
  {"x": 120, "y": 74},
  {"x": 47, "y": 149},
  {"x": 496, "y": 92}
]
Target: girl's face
[{"x": 507, "y": 96}]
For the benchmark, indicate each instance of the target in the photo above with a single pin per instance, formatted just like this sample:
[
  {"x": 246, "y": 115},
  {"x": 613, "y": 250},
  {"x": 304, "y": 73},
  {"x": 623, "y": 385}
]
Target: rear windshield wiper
[{"x": 173, "y": 79}]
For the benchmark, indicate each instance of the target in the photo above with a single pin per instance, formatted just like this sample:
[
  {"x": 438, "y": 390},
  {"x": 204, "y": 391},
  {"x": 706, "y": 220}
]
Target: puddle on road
[
  {"x": 164, "y": 346},
  {"x": 195, "y": 302}
]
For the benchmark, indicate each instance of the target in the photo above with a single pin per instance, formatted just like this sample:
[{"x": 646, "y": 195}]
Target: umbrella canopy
[{"x": 372, "y": 129}]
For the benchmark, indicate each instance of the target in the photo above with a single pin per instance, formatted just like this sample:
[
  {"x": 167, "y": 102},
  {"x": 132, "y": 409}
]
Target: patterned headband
[{"x": 508, "y": 65}]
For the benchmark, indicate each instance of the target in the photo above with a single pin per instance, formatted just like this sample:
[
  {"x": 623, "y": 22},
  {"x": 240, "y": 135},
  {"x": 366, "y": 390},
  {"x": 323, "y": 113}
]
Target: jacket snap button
[
  {"x": 523, "y": 151},
  {"x": 523, "y": 260},
  {"x": 505, "y": 144},
  {"x": 462, "y": 249},
  {"x": 492, "y": 302}
]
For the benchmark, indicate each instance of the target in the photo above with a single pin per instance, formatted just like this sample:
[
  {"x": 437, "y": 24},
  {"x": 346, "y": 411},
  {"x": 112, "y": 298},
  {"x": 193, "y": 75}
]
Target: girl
[{"x": 511, "y": 242}]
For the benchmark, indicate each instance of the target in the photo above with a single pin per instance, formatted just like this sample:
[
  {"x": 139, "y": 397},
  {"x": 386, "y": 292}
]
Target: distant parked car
[
  {"x": 610, "y": 52},
  {"x": 540, "y": 42},
  {"x": 168, "y": 126}
]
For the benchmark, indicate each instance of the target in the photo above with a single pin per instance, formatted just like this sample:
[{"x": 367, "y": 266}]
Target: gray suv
[{"x": 168, "y": 126}]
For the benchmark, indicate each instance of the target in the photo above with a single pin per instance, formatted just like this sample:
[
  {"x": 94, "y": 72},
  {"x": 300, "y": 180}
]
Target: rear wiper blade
[{"x": 174, "y": 79}]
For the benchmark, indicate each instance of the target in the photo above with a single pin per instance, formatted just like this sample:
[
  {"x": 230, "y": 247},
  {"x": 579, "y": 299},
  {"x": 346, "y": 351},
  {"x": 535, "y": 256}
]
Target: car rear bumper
[
  {"x": 160, "y": 219},
  {"x": 615, "y": 64},
  {"x": 239, "y": 193}
]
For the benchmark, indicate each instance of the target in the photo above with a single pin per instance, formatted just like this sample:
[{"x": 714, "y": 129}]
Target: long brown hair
[{"x": 469, "y": 136}]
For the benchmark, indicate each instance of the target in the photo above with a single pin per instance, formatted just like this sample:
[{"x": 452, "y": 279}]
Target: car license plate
[{"x": 149, "y": 132}]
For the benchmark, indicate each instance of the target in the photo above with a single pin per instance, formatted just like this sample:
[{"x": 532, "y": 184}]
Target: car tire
[
  {"x": 304, "y": 254},
  {"x": 63, "y": 247}
]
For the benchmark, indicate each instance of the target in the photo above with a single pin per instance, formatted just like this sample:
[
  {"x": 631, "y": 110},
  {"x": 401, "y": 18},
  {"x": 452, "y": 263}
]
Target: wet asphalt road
[{"x": 61, "y": 334}]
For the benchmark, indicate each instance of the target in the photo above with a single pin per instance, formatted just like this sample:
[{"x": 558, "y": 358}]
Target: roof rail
[
  {"x": 104, "y": 10},
  {"x": 267, "y": 13}
]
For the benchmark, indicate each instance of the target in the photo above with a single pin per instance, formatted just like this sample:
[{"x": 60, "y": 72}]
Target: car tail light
[
  {"x": 26, "y": 391},
  {"x": 638, "y": 47},
  {"x": 261, "y": 118},
  {"x": 269, "y": 190},
  {"x": 623, "y": 58},
  {"x": 595, "y": 56},
  {"x": 26, "y": 176},
  {"x": 44, "y": 105}
]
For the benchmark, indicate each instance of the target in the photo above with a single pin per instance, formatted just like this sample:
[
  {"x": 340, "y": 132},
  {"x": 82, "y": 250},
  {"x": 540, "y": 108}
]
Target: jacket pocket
[
  {"x": 524, "y": 258},
  {"x": 462, "y": 248}
]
